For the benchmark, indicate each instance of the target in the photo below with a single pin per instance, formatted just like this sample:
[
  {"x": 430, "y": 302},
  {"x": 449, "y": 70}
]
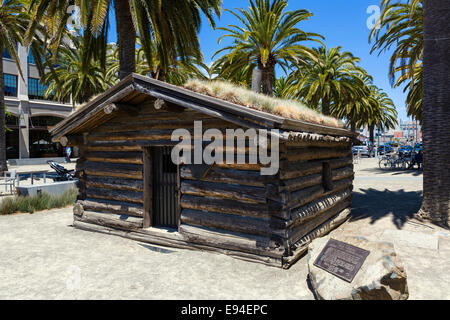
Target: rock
[{"x": 381, "y": 277}]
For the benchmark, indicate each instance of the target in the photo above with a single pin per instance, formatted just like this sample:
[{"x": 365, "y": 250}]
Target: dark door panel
[{"x": 165, "y": 188}]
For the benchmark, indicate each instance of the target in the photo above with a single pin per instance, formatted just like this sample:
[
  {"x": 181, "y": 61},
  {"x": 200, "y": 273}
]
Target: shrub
[{"x": 42, "y": 201}]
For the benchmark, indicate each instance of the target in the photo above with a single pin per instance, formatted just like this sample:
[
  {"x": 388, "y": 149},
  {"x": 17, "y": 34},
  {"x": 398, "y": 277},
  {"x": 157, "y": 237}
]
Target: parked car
[
  {"x": 405, "y": 151},
  {"x": 364, "y": 150}
]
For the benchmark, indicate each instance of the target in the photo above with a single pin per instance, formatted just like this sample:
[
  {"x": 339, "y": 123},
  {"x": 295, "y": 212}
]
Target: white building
[{"x": 31, "y": 114}]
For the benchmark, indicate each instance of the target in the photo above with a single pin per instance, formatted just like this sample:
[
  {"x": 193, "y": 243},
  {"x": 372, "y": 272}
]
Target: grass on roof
[{"x": 238, "y": 95}]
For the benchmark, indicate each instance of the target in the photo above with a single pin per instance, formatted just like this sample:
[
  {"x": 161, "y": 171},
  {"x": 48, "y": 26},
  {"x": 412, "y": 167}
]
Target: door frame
[{"x": 147, "y": 177}]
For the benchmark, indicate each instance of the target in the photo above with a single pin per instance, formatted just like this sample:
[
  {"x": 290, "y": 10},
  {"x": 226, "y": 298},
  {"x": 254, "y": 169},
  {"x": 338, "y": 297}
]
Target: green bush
[{"x": 42, "y": 201}]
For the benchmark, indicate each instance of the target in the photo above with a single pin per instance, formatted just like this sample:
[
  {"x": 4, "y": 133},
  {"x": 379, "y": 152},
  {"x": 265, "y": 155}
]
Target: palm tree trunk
[
  {"x": 126, "y": 38},
  {"x": 3, "y": 163},
  {"x": 326, "y": 106},
  {"x": 353, "y": 126},
  {"x": 268, "y": 79},
  {"x": 436, "y": 112}
]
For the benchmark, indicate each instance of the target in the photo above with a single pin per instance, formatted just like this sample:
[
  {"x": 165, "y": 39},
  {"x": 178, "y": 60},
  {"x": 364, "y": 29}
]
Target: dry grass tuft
[
  {"x": 39, "y": 202},
  {"x": 286, "y": 108}
]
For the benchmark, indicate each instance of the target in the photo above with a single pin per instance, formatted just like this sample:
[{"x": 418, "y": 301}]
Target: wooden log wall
[
  {"x": 226, "y": 200},
  {"x": 231, "y": 207},
  {"x": 316, "y": 182}
]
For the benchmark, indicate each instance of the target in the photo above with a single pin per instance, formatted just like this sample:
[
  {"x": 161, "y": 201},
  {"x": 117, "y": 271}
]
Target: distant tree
[
  {"x": 170, "y": 26},
  {"x": 268, "y": 37},
  {"x": 401, "y": 29},
  {"x": 71, "y": 79},
  {"x": 328, "y": 78}
]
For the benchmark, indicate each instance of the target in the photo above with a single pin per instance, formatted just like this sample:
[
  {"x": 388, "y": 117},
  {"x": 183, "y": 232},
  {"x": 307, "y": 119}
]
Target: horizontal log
[
  {"x": 112, "y": 206},
  {"x": 306, "y": 154},
  {"x": 115, "y": 157},
  {"x": 156, "y": 134},
  {"x": 152, "y": 115},
  {"x": 243, "y": 167},
  {"x": 110, "y": 220},
  {"x": 118, "y": 195},
  {"x": 225, "y": 206},
  {"x": 117, "y": 148},
  {"x": 114, "y": 183},
  {"x": 342, "y": 173},
  {"x": 317, "y": 207},
  {"x": 299, "y": 231},
  {"x": 319, "y": 144},
  {"x": 301, "y": 182},
  {"x": 132, "y": 135},
  {"x": 299, "y": 248},
  {"x": 231, "y": 240},
  {"x": 229, "y": 222},
  {"x": 224, "y": 191},
  {"x": 302, "y": 197},
  {"x": 292, "y": 170},
  {"x": 224, "y": 175},
  {"x": 132, "y": 143},
  {"x": 159, "y": 124},
  {"x": 130, "y": 171},
  {"x": 293, "y": 137}
]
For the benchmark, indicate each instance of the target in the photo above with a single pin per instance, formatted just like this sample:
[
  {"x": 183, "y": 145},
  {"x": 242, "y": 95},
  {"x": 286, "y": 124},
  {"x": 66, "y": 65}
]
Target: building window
[
  {"x": 10, "y": 85},
  {"x": 6, "y": 54},
  {"x": 31, "y": 57},
  {"x": 36, "y": 90}
]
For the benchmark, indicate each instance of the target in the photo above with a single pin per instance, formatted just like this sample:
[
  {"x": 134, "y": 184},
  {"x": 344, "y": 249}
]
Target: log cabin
[{"x": 130, "y": 187}]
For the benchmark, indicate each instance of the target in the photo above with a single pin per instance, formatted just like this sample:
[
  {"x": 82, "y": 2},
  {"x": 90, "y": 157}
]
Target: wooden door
[{"x": 165, "y": 188}]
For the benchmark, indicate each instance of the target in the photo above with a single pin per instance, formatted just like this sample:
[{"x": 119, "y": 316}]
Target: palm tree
[
  {"x": 436, "y": 112},
  {"x": 329, "y": 78},
  {"x": 178, "y": 73},
  {"x": 282, "y": 88},
  {"x": 380, "y": 113},
  {"x": 13, "y": 22},
  {"x": 414, "y": 89},
  {"x": 237, "y": 70},
  {"x": 268, "y": 37},
  {"x": 401, "y": 27},
  {"x": 71, "y": 79},
  {"x": 170, "y": 26}
]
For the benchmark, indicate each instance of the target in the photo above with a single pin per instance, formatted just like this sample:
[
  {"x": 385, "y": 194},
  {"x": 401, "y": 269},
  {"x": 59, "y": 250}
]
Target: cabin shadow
[
  {"x": 376, "y": 204},
  {"x": 156, "y": 249}
]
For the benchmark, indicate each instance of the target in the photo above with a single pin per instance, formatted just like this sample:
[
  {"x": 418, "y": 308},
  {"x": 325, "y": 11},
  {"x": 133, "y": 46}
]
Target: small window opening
[{"x": 327, "y": 178}]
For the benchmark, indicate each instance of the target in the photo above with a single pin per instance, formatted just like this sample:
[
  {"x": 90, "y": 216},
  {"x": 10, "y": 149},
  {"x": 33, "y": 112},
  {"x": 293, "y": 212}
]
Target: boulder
[{"x": 381, "y": 276}]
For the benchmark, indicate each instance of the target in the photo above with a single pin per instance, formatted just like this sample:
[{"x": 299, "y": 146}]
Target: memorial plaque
[{"x": 341, "y": 259}]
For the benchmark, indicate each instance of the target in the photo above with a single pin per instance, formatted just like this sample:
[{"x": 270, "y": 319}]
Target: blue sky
[{"x": 342, "y": 23}]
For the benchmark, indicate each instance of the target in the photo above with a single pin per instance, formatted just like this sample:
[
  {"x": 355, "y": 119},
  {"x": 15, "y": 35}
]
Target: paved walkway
[
  {"x": 384, "y": 202},
  {"x": 43, "y": 257}
]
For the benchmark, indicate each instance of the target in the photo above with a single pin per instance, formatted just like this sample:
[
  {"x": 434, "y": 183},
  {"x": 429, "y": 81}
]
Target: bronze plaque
[{"x": 341, "y": 259}]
